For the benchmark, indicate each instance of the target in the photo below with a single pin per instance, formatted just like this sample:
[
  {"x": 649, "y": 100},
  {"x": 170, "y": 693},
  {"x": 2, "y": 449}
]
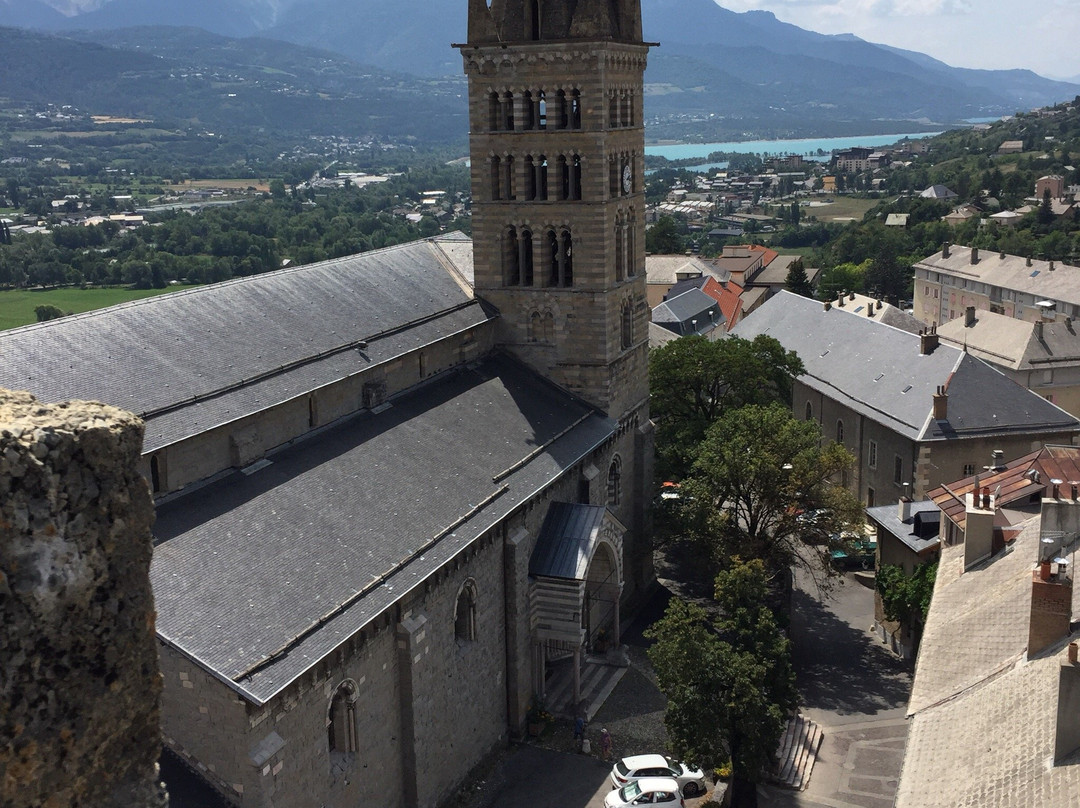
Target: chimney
[
  {"x": 1051, "y": 266},
  {"x": 1038, "y": 330},
  {"x": 851, "y": 296},
  {"x": 1002, "y": 256},
  {"x": 840, "y": 300},
  {"x": 978, "y": 529},
  {"x": 903, "y": 510},
  {"x": 945, "y": 249},
  {"x": 1051, "y": 581},
  {"x": 997, "y": 458},
  {"x": 928, "y": 341},
  {"x": 877, "y": 305},
  {"x": 941, "y": 404},
  {"x": 974, "y": 255},
  {"x": 1029, "y": 260},
  {"x": 969, "y": 317},
  {"x": 870, "y": 310},
  {"x": 828, "y": 305}
]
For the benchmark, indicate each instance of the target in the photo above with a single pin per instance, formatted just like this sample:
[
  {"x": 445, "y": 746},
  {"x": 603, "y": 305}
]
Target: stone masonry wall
[{"x": 79, "y": 681}]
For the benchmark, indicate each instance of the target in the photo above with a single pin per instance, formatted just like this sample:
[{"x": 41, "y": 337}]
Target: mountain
[
  {"x": 715, "y": 68},
  {"x": 185, "y": 78}
]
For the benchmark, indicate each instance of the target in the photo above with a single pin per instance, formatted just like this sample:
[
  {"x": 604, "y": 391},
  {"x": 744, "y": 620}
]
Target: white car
[
  {"x": 691, "y": 780},
  {"x": 646, "y": 791}
]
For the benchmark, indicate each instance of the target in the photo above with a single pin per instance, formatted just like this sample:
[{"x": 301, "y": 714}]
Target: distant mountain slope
[
  {"x": 794, "y": 72},
  {"x": 184, "y": 77}
]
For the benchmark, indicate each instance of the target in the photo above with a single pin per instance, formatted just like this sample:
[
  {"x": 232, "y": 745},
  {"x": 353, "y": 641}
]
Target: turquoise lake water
[{"x": 807, "y": 147}]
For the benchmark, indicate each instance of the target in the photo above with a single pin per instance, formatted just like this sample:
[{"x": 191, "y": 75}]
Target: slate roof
[
  {"x": 878, "y": 371},
  {"x": 982, "y": 716},
  {"x": 888, "y": 519},
  {"x": 691, "y": 304},
  {"x": 567, "y": 540},
  {"x": 259, "y": 576},
  {"x": 660, "y": 269},
  {"x": 199, "y": 358},
  {"x": 883, "y": 312}
]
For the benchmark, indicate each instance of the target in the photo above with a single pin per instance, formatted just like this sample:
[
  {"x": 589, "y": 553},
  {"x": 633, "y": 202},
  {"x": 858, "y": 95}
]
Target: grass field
[
  {"x": 17, "y": 306},
  {"x": 233, "y": 184},
  {"x": 839, "y": 208}
]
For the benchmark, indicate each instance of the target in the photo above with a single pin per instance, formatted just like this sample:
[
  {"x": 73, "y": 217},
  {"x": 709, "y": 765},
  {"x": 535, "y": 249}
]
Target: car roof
[
  {"x": 658, "y": 784},
  {"x": 645, "y": 761}
]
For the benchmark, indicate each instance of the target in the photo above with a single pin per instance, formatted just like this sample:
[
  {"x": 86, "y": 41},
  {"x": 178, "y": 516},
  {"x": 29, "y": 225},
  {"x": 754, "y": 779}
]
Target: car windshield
[
  {"x": 630, "y": 790},
  {"x": 622, "y": 768}
]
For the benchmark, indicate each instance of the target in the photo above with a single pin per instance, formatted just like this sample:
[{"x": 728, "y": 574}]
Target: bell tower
[{"x": 557, "y": 147}]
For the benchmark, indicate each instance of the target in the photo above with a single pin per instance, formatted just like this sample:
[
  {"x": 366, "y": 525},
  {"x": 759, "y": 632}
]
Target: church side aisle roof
[
  {"x": 311, "y": 548},
  {"x": 203, "y": 357}
]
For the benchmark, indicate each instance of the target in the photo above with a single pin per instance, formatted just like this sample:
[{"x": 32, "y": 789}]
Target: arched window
[
  {"x": 465, "y": 612},
  {"x": 553, "y": 253},
  {"x": 575, "y": 177},
  {"x": 494, "y": 111},
  {"x": 341, "y": 720},
  {"x": 496, "y": 179},
  {"x": 508, "y": 111},
  {"x": 535, "y": 327},
  {"x": 508, "y": 177},
  {"x": 156, "y": 481},
  {"x": 839, "y": 431},
  {"x": 620, "y": 253},
  {"x": 563, "y": 110},
  {"x": 568, "y": 259},
  {"x": 526, "y": 258},
  {"x": 530, "y": 111},
  {"x": 541, "y": 110},
  {"x": 614, "y": 481},
  {"x": 530, "y": 177},
  {"x": 541, "y": 178},
  {"x": 575, "y": 109},
  {"x": 532, "y": 20},
  {"x": 627, "y": 324},
  {"x": 631, "y": 242},
  {"x": 511, "y": 257},
  {"x": 549, "y": 327},
  {"x": 809, "y": 412}
]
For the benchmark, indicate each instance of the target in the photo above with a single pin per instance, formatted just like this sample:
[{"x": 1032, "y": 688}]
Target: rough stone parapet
[{"x": 79, "y": 680}]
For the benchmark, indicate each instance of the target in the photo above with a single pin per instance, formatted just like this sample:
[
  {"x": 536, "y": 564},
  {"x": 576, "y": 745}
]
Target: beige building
[
  {"x": 401, "y": 495},
  {"x": 994, "y": 712},
  {"x": 1043, "y": 356},
  {"x": 947, "y": 282}
]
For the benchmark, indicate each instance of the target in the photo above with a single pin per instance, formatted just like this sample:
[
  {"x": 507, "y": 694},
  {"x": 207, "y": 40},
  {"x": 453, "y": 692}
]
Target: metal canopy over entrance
[{"x": 576, "y": 582}]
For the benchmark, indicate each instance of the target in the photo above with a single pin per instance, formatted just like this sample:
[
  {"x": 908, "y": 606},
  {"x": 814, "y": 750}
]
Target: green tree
[
  {"x": 48, "y": 312},
  {"x": 665, "y": 237},
  {"x": 277, "y": 189},
  {"x": 885, "y": 278},
  {"x": 763, "y": 486},
  {"x": 728, "y": 681},
  {"x": 797, "y": 281},
  {"x": 906, "y": 598},
  {"x": 1045, "y": 215},
  {"x": 693, "y": 381}
]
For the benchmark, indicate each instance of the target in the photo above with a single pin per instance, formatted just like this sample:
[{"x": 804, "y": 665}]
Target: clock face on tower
[{"x": 627, "y": 179}]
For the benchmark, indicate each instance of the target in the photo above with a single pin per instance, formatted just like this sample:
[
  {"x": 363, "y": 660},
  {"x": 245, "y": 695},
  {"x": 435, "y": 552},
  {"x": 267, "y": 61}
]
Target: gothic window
[
  {"x": 549, "y": 327},
  {"x": 575, "y": 177},
  {"x": 465, "y": 612},
  {"x": 809, "y": 412},
  {"x": 614, "y": 481},
  {"x": 627, "y": 324},
  {"x": 341, "y": 720},
  {"x": 511, "y": 257},
  {"x": 532, "y": 20},
  {"x": 575, "y": 109},
  {"x": 535, "y": 327},
  {"x": 839, "y": 431},
  {"x": 530, "y": 111},
  {"x": 526, "y": 258}
]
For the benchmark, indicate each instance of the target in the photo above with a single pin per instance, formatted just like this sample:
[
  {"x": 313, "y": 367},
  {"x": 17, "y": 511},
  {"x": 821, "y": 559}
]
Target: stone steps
[
  {"x": 797, "y": 753},
  {"x": 598, "y": 679}
]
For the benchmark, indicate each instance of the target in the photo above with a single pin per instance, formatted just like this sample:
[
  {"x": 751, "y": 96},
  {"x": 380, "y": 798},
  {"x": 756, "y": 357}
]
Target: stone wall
[{"x": 79, "y": 681}]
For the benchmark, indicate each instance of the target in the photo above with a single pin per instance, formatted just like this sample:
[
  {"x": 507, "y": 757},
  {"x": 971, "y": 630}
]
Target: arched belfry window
[
  {"x": 532, "y": 19},
  {"x": 341, "y": 719},
  {"x": 465, "y": 612},
  {"x": 575, "y": 109},
  {"x": 614, "y": 481}
]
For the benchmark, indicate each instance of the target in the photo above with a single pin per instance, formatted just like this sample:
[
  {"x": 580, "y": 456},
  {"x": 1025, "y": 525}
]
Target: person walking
[{"x": 605, "y": 744}]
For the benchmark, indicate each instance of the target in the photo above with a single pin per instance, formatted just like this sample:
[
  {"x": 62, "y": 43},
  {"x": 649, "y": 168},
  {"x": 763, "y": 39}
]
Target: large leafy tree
[
  {"x": 763, "y": 486},
  {"x": 728, "y": 680},
  {"x": 693, "y": 381}
]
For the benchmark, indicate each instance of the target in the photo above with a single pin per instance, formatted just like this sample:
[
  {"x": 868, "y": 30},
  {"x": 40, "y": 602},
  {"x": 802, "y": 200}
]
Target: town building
[
  {"x": 997, "y": 681},
  {"x": 913, "y": 412},
  {"x": 403, "y": 494},
  {"x": 949, "y": 281},
  {"x": 1043, "y": 356}
]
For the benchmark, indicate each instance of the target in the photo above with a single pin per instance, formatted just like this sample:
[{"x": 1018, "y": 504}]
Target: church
[{"x": 393, "y": 490}]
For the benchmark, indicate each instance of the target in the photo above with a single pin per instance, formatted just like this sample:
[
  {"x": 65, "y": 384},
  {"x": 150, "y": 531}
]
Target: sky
[{"x": 1041, "y": 35}]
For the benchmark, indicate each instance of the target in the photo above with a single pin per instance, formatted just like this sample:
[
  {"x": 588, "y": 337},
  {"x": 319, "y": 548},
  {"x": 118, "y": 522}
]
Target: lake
[{"x": 807, "y": 147}]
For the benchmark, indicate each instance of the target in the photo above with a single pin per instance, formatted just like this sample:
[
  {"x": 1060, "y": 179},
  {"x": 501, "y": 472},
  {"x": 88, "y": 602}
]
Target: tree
[
  {"x": 763, "y": 486},
  {"x": 885, "y": 278},
  {"x": 665, "y": 237},
  {"x": 1045, "y": 215},
  {"x": 797, "y": 281},
  {"x": 728, "y": 681},
  {"x": 693, "y": 381},
  {"x": 906, "y": 598},
  {"x": 48, "y": 312}
]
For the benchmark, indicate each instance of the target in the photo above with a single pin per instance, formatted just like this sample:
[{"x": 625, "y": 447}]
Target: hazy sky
[{"x": 1043, "y": 35}]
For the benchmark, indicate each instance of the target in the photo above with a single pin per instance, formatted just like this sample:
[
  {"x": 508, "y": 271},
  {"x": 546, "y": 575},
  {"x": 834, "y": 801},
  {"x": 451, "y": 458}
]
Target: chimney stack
[
  {"x": 1029, "y": 260},
  {"x": 974, "y": 255},
  {"x": 1051, "y": 606},
  {"x": 1051, "y": 266},
  {"x": 941, "y": 404},
  {"x": 945, "y": 249},
  {"x": 1038, "y": 330},
  {"x": 870, "y": 310},
  {"x": 840, "y": 300},
  {"x": 828, "y": 305},
  {"x": 997, "y": 458},
  {"x": 928, "y": 341},
  {"x": 903, "y": 510},
  {"x": 969, "y": 317},
  {"x": 1002, "y": 256},
  {"x": 978, "y": 528},
  {"x": 851, "y": 296},
  {"x": 877, "y": 305}
]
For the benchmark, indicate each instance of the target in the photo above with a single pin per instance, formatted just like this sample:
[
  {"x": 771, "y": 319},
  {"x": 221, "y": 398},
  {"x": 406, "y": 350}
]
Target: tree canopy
[
  {"x": 763, "y": 486},
  {"x": 693, "y": 381},
  {"x": 728, "y": 680}
]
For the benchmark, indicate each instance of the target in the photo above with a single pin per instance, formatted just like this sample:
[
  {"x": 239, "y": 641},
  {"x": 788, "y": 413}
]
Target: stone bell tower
[{"x": 557, "y": 146}]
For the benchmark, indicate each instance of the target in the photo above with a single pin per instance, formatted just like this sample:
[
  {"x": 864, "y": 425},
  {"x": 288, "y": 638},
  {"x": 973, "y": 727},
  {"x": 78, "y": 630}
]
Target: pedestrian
[
  {"x": 605, "y": 744},
  {"x": 579, "y": 729}
]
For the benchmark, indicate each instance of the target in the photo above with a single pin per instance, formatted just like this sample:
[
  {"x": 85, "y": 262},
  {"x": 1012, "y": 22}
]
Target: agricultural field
[
  {"x": 242, "y": 184},
  {"x": 839, "y": 208},
  {"x": 17, "y": 306}
]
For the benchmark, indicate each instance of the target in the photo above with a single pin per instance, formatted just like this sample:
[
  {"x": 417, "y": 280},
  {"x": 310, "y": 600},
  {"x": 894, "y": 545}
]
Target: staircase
[{"x": 797, "y": 753}]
